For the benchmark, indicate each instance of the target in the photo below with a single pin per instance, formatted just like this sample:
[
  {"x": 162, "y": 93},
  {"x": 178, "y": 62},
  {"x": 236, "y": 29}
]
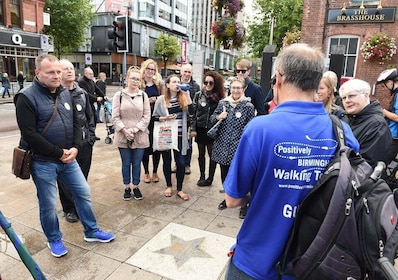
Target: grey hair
[
  {"x": 301, "y": 66},
  {"x": 357, "y": 85}
]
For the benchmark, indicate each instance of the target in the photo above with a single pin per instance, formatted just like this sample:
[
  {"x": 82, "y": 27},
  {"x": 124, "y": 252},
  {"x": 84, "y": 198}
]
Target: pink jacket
[{"x": 131, "y": 111}]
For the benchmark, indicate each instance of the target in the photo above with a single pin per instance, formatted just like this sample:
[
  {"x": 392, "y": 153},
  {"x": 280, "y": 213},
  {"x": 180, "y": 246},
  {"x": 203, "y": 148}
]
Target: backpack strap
[{"x": 338, "y": 131}]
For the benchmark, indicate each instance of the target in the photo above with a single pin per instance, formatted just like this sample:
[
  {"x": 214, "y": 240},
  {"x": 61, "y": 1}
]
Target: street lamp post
[{"x": 165, "y": 58}]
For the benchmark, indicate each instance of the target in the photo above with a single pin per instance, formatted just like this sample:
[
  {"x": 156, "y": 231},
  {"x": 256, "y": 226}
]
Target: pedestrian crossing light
[{"x": 118, "y": 35}]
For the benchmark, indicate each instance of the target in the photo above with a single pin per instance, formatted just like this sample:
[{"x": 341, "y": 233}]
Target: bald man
[{"x": 95, "y": 93}]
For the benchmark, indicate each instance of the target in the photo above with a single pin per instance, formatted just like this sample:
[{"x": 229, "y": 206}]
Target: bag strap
[
  {"x": 51, "y": 118},
  {"x": 338, "y": 131}
]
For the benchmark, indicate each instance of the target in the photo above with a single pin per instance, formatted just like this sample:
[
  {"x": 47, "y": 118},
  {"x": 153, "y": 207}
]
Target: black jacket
[
  {"x": 372, "y": 132},
  {"x": 256, "y": 95},
  {"x": 91, "y": 88},
  {"x": 203, "y": 109},
  {"x": 84, "y": 113}
]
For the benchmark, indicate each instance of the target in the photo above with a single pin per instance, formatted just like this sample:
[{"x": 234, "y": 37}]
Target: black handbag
[{"x": 213, "y": 132}]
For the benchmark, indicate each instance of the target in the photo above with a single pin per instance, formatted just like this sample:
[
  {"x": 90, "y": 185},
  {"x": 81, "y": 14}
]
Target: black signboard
[{"x": 357, "y": 15}]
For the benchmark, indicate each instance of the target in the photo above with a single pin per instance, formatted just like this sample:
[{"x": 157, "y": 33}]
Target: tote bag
[{"x": 165, "y": 135}]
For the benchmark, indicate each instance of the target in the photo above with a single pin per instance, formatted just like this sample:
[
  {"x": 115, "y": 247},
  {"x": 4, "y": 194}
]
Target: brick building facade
[
  {"x": 331, "y": 24},
  {"x": 21, "y": 38}
]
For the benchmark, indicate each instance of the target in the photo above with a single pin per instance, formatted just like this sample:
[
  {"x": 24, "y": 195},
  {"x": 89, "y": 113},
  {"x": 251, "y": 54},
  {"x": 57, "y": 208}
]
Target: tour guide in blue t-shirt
[{"x": 293, "y": 146}]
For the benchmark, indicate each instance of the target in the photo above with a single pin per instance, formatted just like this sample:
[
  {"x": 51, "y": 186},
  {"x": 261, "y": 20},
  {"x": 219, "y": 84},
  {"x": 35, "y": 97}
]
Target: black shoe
[
  {"x": 222, "y": 205},
  {"x": 71, "y": 217},
  {"x": 205, "y": 183},
  {"x": 137, "y": 194},
  {"x": 200, "y": 181},
  {"x": 97, "y": 138},
  {"x": 127, "y": 194},
  {"x": 242, "y": 212}
]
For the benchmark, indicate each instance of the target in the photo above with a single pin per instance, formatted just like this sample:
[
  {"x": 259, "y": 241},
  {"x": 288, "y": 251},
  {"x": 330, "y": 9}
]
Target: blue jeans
[
  {"x": 234, "y": 273},
  {"x": 45, "y": 175},
  {"x": 131, "y": 164}
]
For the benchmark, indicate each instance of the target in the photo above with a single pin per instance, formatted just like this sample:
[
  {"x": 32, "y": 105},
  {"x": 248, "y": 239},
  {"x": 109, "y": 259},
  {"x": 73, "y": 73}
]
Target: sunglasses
[
  {"x": 243, "y": 71},
  {"x": 208, "y": 83}
]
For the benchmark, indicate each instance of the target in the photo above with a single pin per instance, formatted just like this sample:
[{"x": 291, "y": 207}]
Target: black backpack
[{"x": 347, "y": 225}]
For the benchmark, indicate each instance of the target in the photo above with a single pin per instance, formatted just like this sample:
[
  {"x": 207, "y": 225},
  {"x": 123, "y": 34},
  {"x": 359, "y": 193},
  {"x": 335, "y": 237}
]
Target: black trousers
[{"x": 83, "y": 158}]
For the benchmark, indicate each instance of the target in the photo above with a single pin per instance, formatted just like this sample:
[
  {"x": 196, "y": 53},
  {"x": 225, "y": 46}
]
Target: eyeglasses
[
  {"x": 208, "y": 83},
  {"x": 243, "y": 71},
  {"x": 135, "y": 79},
  {"x": 236, "y": 88},
  {"x": 151, "y": 69}
]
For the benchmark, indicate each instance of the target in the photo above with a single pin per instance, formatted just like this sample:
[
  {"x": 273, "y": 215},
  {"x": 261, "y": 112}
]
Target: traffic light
[{"x": 119, "y": 34}]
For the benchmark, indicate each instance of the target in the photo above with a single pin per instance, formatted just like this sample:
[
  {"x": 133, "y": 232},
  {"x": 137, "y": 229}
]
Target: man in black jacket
[
  {"x": 86, "y": 120},
  {"x": 366, "y": 120},
  {"x": 95, "y": 93},
  {"x": 55, "y": 151}
]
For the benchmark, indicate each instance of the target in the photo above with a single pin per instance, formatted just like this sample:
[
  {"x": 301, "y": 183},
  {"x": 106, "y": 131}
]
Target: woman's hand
[
  {"x": 128, "y": 133},
  {"x": 223, "y": 115},
  {"x": 168, "y": 118}
]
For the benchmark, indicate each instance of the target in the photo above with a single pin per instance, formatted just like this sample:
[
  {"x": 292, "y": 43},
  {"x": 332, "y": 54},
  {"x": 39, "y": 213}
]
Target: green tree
[
  {"x": 69, "y": 22},
  {"x": 167, "y": 47},
  {"x": 287, "y": 15}
]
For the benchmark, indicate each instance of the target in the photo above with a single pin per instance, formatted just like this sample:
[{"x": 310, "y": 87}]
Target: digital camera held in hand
[{"x": 184, "y": 87}]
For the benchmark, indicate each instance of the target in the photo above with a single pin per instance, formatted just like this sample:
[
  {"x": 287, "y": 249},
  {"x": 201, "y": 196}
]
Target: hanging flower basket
[
  {"x": 379, "y": 47},
  {"x": 228, "y": 32},
  {"x": 232, "y": 7}
]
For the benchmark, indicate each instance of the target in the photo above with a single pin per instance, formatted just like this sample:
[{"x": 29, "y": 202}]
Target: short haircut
[
  {"x": 301, "y": 66},
  {"x": 40, "y": 59},
  {"x": 243, "y": 63},
  {"x": 357, "y": 85}
]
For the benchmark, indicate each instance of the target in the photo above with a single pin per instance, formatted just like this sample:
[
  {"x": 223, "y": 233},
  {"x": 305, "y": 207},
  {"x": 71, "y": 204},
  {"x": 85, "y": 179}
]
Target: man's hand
[{"x": 69, "y": 155}]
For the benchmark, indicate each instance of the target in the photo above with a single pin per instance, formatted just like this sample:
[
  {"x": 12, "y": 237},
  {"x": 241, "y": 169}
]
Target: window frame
[{"x": 347, "y": 55}]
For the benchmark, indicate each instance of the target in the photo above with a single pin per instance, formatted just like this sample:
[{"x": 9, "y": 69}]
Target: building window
[
  {"x": 349, "y": 47},
  {"x": 15, "y": 13},
  {"x": 1, "y": 12}
]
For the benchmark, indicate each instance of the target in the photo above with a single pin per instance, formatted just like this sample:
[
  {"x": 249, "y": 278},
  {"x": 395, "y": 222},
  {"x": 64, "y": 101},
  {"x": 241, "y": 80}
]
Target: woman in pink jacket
[{"x": 131, "y": 114}]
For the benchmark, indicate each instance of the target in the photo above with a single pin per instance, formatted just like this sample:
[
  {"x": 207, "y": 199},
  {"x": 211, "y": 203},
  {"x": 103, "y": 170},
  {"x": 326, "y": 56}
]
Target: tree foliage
[
  {"x": 69, "y": 21},
  {"x": 167, "y": 47},
  {"x": 287, "y": 15}
]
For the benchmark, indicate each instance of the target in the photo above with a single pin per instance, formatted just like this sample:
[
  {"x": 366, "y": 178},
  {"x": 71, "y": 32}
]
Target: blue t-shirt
[
  {"x": 293, "y": 146},
  {"x": 394, "y": 109}
]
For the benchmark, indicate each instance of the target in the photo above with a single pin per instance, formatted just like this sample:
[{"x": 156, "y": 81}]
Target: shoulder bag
[{"x": 22, "y": 158}]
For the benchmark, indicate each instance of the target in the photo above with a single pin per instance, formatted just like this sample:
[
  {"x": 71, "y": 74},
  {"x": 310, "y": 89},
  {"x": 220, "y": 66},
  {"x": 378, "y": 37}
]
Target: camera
[{"x": 130, "y": 143}]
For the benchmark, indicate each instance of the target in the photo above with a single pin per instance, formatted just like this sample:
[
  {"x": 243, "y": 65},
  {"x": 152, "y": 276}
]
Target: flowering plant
[
  {"x": 379, "y": 47},
  {"x": 228, "y": 32},
  {"x": 291, "y": 37},
  {"x": 232, "y": 7}
]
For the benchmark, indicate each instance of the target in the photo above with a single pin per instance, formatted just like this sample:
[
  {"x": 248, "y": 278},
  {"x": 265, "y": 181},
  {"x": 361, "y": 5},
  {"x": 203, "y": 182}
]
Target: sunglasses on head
[
  {"x": 209, "y": 83},
  {"x": 243, "y": 71}
]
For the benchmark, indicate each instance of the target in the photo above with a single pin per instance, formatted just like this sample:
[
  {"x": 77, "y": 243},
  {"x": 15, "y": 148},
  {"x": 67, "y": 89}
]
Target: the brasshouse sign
[{"x": 367, "y": 15}]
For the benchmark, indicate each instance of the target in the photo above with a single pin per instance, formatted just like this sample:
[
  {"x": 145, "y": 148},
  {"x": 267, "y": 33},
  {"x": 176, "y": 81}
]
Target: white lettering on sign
[{"x": 17, "y": 39}]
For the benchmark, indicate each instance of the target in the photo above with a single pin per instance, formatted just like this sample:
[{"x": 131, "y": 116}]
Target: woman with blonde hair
[
  {"x": 131, "y": 114},
  {"x": 325, "y": 94},
  {"x": 152, "y": 84},
  {"x": 175, "y": 104}
]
